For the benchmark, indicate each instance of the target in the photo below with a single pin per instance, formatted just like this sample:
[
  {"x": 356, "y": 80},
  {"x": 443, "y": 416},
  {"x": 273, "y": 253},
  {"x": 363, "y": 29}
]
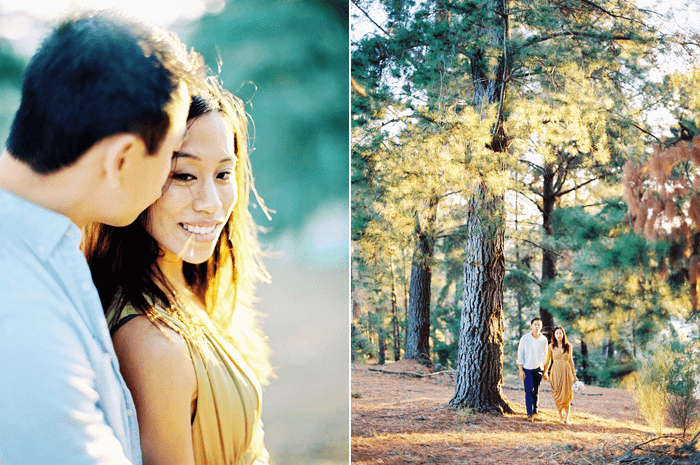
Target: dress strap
[{"x": 122, "y": 322}]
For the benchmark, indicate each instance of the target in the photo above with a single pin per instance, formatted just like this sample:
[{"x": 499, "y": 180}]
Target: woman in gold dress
[
  {"x": 563, "y": 374},
  {"x": 171, "y": 281}
]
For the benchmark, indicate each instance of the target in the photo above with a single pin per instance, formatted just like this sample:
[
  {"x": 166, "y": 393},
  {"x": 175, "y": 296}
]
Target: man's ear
[{"x": 120, "y": 153}]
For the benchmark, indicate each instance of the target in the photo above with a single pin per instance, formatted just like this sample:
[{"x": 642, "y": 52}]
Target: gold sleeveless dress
[
  {"x": 226, "y": 429},
  {"x": 561, "y": 379}
]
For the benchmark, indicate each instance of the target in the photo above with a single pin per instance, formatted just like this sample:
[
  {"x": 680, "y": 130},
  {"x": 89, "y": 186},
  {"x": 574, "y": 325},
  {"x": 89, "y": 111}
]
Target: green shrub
[{"x": 666, "y": 385}]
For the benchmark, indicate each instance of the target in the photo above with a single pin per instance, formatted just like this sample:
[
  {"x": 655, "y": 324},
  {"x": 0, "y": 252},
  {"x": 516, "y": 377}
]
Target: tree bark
[
  {"x": 395, "y": 319},
  {"x": 610, "y": 350},
  {"x": 382, "y": 347},
  {"x": 584, "y": 362},
  {"x": 418, "y": 325},
  {"x": 480, "y": 358},
  {"x": 549, "y": 258}
]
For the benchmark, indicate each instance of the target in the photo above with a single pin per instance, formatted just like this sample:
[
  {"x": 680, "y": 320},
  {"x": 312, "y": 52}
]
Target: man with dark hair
[
  {"x": 103, "y": 107},
  {"x": 532, "y": 352}
]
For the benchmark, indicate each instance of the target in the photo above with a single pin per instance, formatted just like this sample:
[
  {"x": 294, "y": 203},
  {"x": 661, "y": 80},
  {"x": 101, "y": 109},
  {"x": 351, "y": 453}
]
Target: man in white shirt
[{"x": 532, "y": 352}]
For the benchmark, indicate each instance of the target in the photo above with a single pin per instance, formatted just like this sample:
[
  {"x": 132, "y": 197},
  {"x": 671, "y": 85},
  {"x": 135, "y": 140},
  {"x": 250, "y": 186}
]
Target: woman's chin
[{"x": 196, "y": 257}]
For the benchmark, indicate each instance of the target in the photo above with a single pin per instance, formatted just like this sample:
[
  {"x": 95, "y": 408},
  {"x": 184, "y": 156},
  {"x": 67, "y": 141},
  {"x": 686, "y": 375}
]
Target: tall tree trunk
[
  {"x": 480, "y": 355},
  {"x": 418, "y": 331},
  {"x": 353, "y": 335},
  {"x": 406, "y": 279},
  {"x": 584, "y": 362},
  {"x": 549, "y": 258},
  {"x": 480, "y": 359},
  {"x": 395, "y": 319},
  {"x": 518, "y": 297},
  {"x": 381, "y": 336}
]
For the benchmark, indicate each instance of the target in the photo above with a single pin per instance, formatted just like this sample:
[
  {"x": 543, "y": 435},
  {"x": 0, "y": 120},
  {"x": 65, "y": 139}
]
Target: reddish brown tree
[{"x": 663, "y": 196}]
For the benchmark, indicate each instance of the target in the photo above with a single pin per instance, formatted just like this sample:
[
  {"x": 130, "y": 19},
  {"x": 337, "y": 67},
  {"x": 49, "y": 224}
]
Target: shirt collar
[{"x": 40, "y": 228}]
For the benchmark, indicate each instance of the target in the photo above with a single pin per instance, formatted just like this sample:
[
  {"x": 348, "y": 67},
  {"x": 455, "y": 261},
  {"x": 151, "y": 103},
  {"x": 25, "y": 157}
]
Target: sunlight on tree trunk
[
  {"x": 480, "y": 360},
  {"x": 418, "y": 333}
]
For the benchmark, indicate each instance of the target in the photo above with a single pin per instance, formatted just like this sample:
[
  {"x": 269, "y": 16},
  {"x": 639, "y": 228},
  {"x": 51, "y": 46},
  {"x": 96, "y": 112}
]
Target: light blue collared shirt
[{"x": 62, "y": 398}]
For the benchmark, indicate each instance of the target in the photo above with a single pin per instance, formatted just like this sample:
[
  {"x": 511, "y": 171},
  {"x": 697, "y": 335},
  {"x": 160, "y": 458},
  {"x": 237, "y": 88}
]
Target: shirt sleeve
[
  {"x": 521, "y": 355},
  {"x": 50, "y": 408}
]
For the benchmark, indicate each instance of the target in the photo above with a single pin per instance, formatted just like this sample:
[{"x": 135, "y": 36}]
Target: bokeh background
[{"x": 289, "y": 60}]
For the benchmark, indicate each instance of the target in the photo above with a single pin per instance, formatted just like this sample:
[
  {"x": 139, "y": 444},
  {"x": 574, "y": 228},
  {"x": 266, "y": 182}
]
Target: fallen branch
[
  {"x": 630, "y": 452},
  {"x": 411, "y": 373}
]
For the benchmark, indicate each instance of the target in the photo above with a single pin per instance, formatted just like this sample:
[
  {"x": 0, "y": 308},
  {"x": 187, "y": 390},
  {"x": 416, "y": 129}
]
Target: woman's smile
[
  {"x": 202, "y": 232},
  {"x": 189, "y": 218}
]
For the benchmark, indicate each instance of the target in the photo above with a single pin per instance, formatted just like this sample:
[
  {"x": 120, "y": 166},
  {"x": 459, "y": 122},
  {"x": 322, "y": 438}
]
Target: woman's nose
[{"x": 207, "y": 198}]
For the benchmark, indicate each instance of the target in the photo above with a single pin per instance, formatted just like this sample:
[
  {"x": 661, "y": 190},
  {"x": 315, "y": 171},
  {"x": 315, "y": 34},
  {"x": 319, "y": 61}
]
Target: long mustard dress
[
  {"x": 561, "y": 378},
  {"x": 226, "y": 428}
]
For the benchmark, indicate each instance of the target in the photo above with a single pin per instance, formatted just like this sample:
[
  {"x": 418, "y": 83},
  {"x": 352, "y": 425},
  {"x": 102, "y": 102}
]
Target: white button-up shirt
[{"x": 532, "y": 352}]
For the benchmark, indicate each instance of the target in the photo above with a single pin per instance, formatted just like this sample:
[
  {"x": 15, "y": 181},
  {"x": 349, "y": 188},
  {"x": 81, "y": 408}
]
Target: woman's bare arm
[
  {"x": 571, "y": 362},
  {"x": 547, "y": 363},
  {"x": 159, "y": 372}
]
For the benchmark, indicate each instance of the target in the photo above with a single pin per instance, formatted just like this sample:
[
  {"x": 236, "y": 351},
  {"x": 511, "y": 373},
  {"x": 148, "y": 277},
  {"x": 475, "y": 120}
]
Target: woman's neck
[{"x": 171, "y": 267}]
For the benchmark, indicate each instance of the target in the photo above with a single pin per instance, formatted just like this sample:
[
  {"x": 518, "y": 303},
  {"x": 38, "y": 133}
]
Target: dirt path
[{"x": 398, "y": 419}]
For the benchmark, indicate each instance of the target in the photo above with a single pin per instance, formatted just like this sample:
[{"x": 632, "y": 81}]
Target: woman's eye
[
  {"x": 184, "y": 177},
  {"x": 225, "y": 175}
]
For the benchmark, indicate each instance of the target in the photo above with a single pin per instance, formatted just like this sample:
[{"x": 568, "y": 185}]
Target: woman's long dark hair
[
  {"x": 565, "y": 346},
  {"x": 123, "y": 260}
]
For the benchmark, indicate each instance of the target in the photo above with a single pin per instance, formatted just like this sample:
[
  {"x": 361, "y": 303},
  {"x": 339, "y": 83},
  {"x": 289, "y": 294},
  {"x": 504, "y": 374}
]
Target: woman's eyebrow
[
  {"x": 185, "y": 155},
  {"x": 189, "y": 155}
]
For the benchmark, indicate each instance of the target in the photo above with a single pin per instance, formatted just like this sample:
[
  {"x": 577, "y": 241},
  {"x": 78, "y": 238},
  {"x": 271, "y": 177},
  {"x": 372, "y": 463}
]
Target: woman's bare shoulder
[{"x": 153, "y": 354}]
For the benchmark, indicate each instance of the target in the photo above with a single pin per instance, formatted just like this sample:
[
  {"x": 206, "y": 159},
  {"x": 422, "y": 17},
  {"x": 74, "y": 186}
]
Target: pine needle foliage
[{"x": 463, "y": 97}]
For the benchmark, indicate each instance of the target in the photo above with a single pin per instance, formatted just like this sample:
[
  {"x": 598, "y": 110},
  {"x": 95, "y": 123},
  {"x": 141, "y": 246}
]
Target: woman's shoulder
[
  {"x": 156, "y": 362},
  {"x": 132, "y": 329},
  {"x": 148, "y": 347}
]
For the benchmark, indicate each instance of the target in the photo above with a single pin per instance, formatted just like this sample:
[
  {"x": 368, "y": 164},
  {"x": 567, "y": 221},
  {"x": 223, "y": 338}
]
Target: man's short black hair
[
  {"x": 535, "y": 319},
  {"x": 94, "y": 76}
]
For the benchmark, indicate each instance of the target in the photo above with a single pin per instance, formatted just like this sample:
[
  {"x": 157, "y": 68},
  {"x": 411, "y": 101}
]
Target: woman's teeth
[{"x": 198, "y": 229}]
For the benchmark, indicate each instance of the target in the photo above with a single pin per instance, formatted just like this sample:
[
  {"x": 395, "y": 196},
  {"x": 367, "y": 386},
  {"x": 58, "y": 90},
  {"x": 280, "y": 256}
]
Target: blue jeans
[{"x": 532, "y": 387}]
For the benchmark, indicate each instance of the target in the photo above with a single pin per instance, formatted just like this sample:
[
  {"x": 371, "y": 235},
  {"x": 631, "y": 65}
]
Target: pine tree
[{"x": 469, "y": 74}]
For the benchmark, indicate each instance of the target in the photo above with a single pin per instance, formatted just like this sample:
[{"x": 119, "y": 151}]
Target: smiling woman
[
  {"x": 171, "y": 281},
  {"x": 201, "y": 193}
]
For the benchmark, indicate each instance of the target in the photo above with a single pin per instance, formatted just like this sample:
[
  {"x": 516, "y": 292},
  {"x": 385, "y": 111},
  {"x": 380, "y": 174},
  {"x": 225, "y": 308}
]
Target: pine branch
[
  {"x": 538, "y": 193},
  {"x": 535, "y": 203},
  {"x": 532, "y": 165},
  {"x": 562, "y": 172},
  {"x": 641, "y": 129},
  {"x": 603, "y": 37},
  {"x": 354, "y": 2},
  {"x": 433, "y": 120},
  {"x": 411, "y": 373},
  {"x": 602, "y": 176},
  {"x": 542, "y": 247},
  {"x": 611, "y": 14},
  {"x": 448, "y": 232}
]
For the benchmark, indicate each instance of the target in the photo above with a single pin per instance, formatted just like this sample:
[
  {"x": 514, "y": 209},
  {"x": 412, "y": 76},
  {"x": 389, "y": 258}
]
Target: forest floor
[{"x": 403, "y": 419}]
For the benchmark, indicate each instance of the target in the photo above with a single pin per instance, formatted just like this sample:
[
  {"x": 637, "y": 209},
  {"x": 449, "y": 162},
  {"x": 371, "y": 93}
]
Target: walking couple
[{"x": 535, "y": 356}]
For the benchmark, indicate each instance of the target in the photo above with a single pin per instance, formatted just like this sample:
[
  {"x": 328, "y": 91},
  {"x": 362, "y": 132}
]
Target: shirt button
[
  {"x": 130, "y": 412},
  {"x": 86, "y": 285},
  {"x": 69, "y": 234}
]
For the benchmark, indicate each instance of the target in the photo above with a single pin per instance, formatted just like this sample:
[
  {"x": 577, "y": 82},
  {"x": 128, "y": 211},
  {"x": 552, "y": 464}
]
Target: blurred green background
[{"x": 289, "y": 59}]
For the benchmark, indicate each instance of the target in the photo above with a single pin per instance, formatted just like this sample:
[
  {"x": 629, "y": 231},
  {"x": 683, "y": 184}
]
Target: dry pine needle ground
[{"x": 401, "y": 419}]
